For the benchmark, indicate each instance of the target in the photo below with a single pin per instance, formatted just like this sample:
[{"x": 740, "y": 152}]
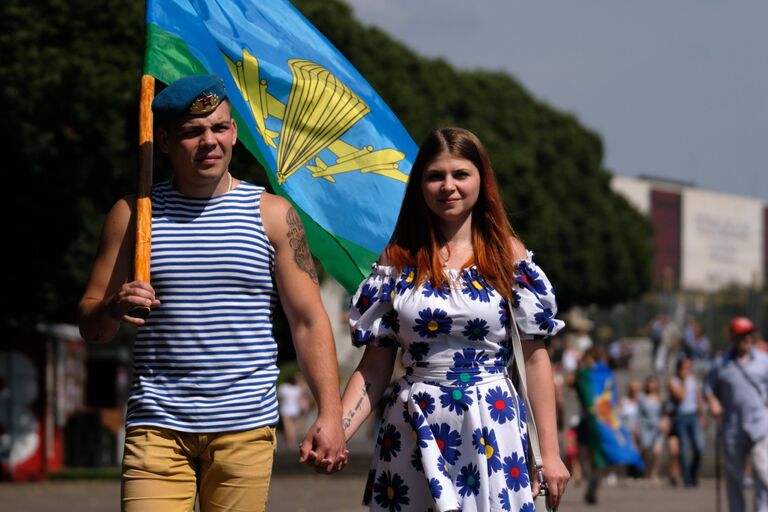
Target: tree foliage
[
  {"x": 69, "y": 88},
  {"x": 594, "y": 246},
  {"x": 69, "y": 95}
]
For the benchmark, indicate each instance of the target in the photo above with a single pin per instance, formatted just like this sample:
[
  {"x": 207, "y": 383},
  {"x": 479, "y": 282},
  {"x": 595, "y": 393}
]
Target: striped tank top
[{"x": 205, "y": 360}]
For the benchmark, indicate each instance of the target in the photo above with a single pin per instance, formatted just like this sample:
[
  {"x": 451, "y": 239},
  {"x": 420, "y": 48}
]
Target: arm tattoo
[
  {"x": 297, "y": 239},
  {"x": 352, "y": 412}
]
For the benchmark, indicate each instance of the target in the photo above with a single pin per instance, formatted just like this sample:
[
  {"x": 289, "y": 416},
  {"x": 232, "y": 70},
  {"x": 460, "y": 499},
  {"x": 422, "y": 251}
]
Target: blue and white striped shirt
[{"x": 205, "y": 361}]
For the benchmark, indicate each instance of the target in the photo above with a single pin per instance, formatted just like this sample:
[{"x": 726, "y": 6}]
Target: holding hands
[{"x": 324, "y": 447}]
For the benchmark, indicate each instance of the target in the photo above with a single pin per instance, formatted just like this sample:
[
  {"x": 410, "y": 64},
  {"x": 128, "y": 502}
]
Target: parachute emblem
[{"x": 319, "y": 110}]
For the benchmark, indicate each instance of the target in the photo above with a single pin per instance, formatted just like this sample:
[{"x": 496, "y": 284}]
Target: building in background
[{"x": 704, "y": 241}]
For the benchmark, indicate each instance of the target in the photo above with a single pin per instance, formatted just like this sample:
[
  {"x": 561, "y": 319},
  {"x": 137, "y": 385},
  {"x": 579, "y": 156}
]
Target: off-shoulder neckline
[{"x": 388, "y": 270}]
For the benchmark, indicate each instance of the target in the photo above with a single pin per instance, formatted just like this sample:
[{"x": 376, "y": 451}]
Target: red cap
[{"x": 741, "y": 326}]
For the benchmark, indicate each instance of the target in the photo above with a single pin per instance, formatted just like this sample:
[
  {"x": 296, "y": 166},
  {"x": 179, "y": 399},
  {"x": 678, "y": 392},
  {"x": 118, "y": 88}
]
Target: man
[
  {"x": 737, "y": 390},
  {"x": 202, "y": 407}
]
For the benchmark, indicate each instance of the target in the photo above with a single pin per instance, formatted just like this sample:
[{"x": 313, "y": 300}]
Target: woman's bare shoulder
[
  {"x": 383, "y": 259},
  {"x": 519, "y": 252}
]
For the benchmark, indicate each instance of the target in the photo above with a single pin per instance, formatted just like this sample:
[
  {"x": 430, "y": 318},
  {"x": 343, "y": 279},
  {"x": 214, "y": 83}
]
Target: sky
[{"x": 676, "y": 88}]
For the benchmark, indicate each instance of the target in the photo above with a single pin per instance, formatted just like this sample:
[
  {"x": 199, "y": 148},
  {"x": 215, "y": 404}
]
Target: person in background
[
  {"x": 649, "y": 427},
  {"x": 605, "y": 443},
  {"x": 672, "y": 439},
  {"x": 571, "y": 449},
  {"x": 294, "y": 404},
  {"x": 700, "y": 349},
  {"x": 560, "y": 380},
  {"x": 737, "y": 391},
  {"x": 629, "y": 416},
  {"x": 689, "y": 335},
  {"x": 629, "y": 407},
  {"x": 655, "y": 330},
  {"x": 587, "y": 437},
  {"x": 569, "y": 359},
  {"x": 760, "y": 344},
  {"x": 688, "y": 418},
  {"x": 670, "y": 344}
]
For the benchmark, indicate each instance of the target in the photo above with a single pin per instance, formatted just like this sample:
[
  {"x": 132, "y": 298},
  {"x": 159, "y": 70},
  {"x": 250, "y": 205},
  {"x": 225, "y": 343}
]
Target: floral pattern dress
[{"x": 453, "y": 435}]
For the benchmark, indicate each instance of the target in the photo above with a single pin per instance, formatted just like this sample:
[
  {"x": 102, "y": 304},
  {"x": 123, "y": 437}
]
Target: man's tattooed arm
[
  {"x": 297, "y": 238},
  {"x": 352, "y": 412}
]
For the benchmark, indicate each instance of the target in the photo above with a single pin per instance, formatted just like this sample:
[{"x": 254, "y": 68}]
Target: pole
[
  {"x": 143, "y": 202},
  {"x": 718, "y": 477}
]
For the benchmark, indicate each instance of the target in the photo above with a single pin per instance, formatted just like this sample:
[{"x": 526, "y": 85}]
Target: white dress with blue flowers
[{"x": 453, "y": 435}]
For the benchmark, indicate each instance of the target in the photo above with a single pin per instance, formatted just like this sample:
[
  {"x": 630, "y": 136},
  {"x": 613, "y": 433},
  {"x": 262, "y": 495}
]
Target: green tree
[
  {"x": 594, "y": 245},
  {"x": 69, "y": 94},
  {"x": 70, "y": 85},
  {"x": 70, "y": 80}
]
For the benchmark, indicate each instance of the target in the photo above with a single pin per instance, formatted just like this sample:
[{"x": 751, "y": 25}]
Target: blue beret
[{"x": 191, "y": 95}]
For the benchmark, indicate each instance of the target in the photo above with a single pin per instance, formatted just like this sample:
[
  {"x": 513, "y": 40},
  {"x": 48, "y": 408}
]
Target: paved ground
[
  {"x": 295, "y": 489},
  {"x": 341, "y": 493}
]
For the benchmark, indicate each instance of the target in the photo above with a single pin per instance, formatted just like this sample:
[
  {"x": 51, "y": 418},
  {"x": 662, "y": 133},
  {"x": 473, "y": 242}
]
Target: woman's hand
[
  {"x": 541, "y": 395},
  {"x": 556, "y": 477}
]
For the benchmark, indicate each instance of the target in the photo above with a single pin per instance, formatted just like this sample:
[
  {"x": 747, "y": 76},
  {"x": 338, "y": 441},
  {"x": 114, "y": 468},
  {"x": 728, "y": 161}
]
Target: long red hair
[{"x": 416, "y": 240}]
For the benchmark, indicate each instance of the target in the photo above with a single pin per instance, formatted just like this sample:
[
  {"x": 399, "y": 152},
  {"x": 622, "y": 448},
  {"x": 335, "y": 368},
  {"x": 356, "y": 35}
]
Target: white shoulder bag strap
[
  {"x": 541, "y": 502},
  {"x": 517, "y": 353}
]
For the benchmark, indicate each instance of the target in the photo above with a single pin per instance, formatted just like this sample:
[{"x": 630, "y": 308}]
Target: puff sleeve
[
  {"x": 372, "y": 319},
  {"x": 533, "y": 301}
]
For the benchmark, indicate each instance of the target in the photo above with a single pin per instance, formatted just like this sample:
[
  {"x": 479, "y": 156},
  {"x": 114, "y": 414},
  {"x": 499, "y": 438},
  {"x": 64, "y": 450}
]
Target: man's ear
[
  {"x": 234, "y": 129},
  {"x": 161, "y": 136}
]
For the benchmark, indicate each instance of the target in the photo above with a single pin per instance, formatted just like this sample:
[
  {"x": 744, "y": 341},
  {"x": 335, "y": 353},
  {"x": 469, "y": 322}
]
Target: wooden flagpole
[{"x": 143, "y": 202}]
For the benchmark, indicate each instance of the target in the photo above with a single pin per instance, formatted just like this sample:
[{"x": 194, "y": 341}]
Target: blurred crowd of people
[
  {"x": 667, "y": 408},
  {"x": 670, "y": 342}
]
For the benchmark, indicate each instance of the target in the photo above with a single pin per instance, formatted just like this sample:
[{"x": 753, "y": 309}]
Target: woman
[
  {"x": 629, "y": 408},
  {"x": 293, "y": 406},
  {"x": 685, "y": 392},
  {"x": 649, "y": 427},
  {"x": 593, "y": 360},
  {"x": 453, "y": 436}
]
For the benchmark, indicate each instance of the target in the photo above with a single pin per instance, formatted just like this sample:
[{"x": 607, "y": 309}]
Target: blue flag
[
  {"x": 610, "y": 440},
  {"x": 329, "y": 143}
]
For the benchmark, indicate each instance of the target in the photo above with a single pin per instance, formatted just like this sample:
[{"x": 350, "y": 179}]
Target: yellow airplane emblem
[{"x": 319, "y": 110}]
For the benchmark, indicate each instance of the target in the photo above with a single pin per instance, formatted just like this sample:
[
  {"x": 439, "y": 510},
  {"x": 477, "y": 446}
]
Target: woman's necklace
[{"x": 446, "y": 253}]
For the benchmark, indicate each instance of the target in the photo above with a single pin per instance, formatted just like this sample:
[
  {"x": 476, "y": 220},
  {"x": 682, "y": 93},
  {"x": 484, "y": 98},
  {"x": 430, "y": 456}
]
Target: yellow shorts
[{"x": 163, "y": 470}]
